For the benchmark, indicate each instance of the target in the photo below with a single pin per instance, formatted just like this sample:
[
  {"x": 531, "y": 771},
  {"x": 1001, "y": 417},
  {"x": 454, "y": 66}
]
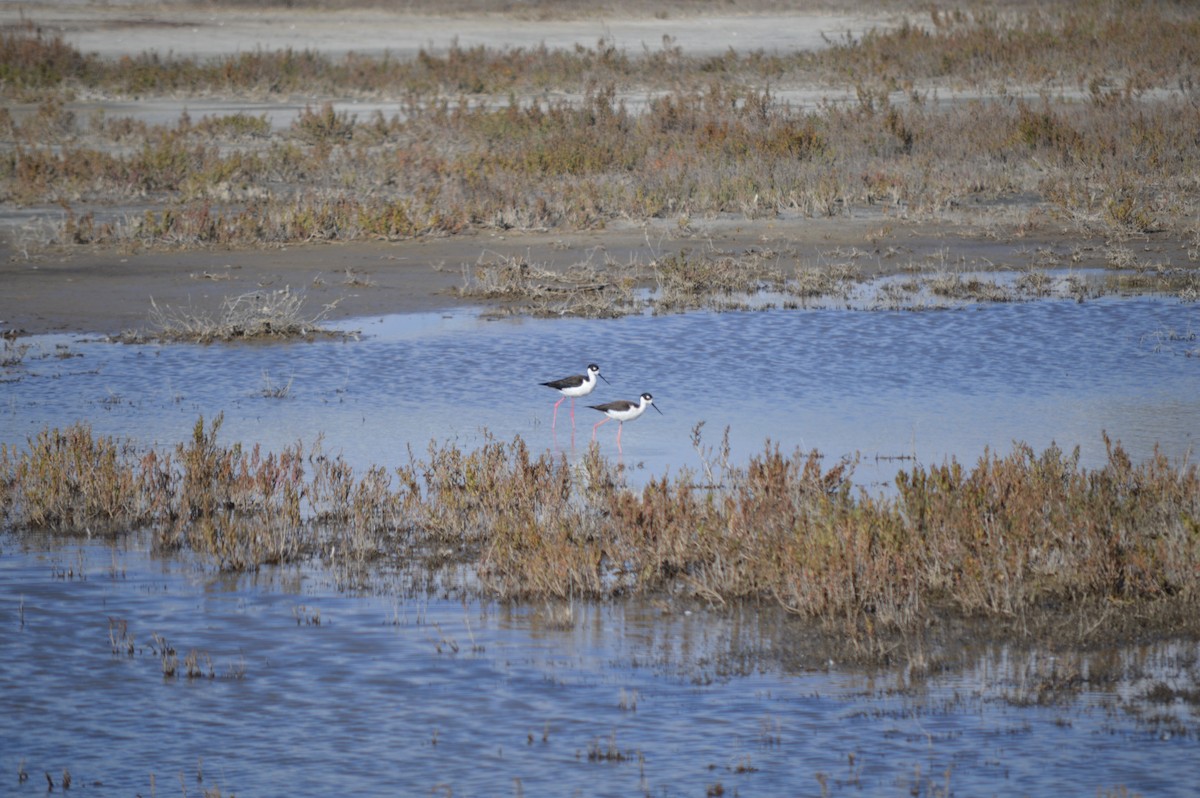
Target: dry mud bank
[{"x": 110, "y": 292}]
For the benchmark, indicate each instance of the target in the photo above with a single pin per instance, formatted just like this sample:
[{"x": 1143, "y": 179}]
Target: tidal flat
[{"x": 279, "y": 289}]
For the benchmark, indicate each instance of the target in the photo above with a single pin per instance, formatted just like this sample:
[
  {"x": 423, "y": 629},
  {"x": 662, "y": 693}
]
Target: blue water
[
  {"x": 399, "y": 692},
  {"x": 396, "y": 693},
  {"x": 876, "y": 385}
]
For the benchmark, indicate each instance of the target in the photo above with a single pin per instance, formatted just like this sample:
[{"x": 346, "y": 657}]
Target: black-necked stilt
[
  {"x": 575, "y": 385},
  {"x": 622, "y": 411}
]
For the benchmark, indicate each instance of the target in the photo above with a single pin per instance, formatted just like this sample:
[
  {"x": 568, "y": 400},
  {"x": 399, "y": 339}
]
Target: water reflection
[
  {"x": 883, "y": 386},
  {"x": 308, "y": 688},
  {"x": 405, "y": 692}
]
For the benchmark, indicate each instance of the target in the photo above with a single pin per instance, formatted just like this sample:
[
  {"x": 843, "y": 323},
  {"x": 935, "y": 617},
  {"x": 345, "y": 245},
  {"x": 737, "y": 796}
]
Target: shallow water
[
  {"x": 398, "y": 694},
  {"x": 928, "y": 385}
]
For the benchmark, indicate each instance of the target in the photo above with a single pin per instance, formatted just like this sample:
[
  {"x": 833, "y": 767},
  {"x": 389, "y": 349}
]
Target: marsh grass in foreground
[{"x": 1014, "y": 537}]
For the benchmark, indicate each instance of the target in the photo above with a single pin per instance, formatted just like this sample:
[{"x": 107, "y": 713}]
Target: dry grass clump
[
  {"x": 475, "y": 142},
  {"x": 12, "y": 353},
  {"x": 255, "y": 314},
  {"x": 1011, "y": 538},
  {"x": 239, "y": 507},
  {"x": 583, "y": 289},
  {"x": 1025, "y": 530},
  {"x": 531, "y": 9},
  {"x": 31, "y": 62},
  {"x": 952, "y": 285},
  {"x": 69, "y": 479},
  {"x": 1115, "y": 47},
  {"x": 1184, "y": 285},
  {"x": 670, "y": 283},
  {"x": 535, "y": 166},
  {"x": 959, "y": 284},
  {"x": 763, "y": 279},
  {"x": 815, "y": 282},
  {"x": 686, "y": 282}
]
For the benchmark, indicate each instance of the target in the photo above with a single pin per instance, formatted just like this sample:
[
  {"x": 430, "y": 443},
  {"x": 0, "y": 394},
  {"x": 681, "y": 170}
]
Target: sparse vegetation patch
[
  {"x": 1013, "y": 537},
  {"x": 256, "y": 314},
  {"x": 1085, "y": 113}
]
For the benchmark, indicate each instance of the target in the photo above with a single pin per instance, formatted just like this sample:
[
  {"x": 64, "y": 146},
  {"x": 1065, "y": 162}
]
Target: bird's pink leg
[
  {"x": 572, "y": 411},
  {"x": 598, "y": 423},
  {"x": 620, "y": 427},
  {"x": 556, "y": 404}
]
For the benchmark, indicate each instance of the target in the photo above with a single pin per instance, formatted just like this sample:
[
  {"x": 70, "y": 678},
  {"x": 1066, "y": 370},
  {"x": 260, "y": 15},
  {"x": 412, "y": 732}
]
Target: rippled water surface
[
  {"x": 880, "y": 385},
  {"x": 400, "y": 693},
  {"x": 305, "y": 690}
]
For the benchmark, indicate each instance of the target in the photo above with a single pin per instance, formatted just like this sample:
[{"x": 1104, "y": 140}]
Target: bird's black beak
[
  {"x": 601, "y": 376},
  {"x": 656, "y": 408}
]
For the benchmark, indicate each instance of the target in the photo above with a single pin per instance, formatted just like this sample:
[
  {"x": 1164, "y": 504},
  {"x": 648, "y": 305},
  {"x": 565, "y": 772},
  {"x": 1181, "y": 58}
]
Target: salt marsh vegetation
[
  {"x": 1081, "y": 115},
  {"x": 1025, "y": 539}
]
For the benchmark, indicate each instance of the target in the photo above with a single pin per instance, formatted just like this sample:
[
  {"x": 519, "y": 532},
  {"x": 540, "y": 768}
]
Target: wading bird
[
  {"x": 573, "y": 386},
  {"x": 622, "y": 411}
]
